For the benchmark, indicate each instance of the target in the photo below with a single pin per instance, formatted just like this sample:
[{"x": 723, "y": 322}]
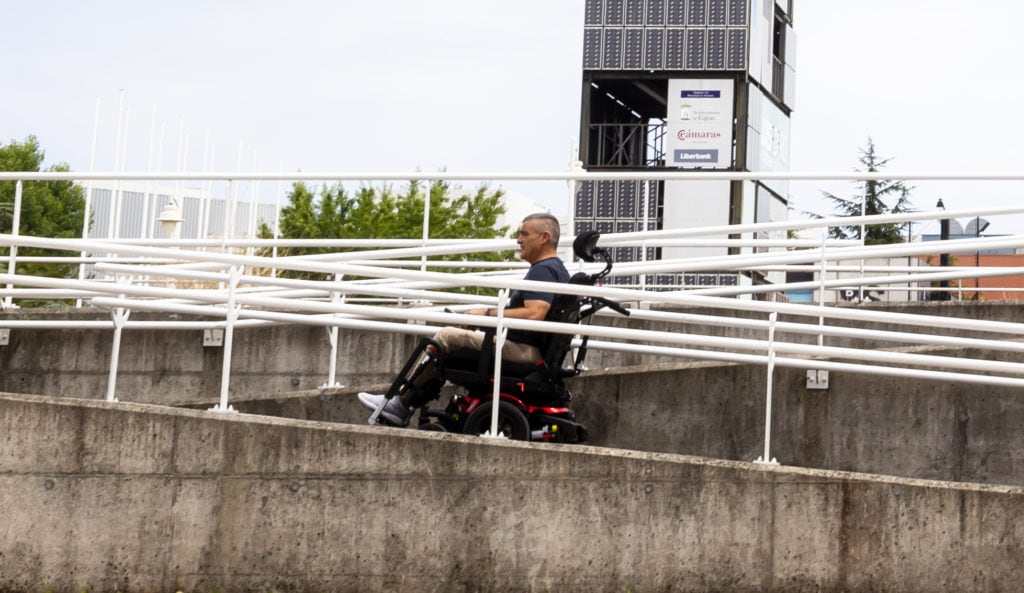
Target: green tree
[
  {"x": 48, "y": 208},
  {"x": 885, "y": 196},
  {"x": 381, "y": 212}
]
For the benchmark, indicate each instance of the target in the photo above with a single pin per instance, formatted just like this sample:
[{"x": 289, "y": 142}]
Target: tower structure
[{"x": 686, "y": 85}]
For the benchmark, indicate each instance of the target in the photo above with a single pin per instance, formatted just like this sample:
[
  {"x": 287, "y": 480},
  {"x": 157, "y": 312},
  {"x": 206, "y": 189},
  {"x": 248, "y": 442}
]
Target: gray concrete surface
[
  {"x": 863, "y": 423},
  {"x": 131, "y": 497}
]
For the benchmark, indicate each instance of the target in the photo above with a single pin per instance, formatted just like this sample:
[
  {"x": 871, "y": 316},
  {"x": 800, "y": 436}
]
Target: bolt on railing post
[
  {"x": 229, "y": 332},
  {"x": 772, "y": 319}
]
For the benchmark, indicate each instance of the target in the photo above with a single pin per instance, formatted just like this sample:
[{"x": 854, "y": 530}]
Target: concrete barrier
[{"x": 131, "y": 497}]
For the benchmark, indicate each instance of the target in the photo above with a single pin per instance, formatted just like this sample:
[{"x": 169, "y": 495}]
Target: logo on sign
[
  {"x": 695, "y": 156},
  {"x": 697, "y": 135}
]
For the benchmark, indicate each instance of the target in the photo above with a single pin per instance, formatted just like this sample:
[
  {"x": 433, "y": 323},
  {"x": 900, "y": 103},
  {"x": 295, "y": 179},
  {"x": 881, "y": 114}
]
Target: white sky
[{"x": 473, "y": 85}]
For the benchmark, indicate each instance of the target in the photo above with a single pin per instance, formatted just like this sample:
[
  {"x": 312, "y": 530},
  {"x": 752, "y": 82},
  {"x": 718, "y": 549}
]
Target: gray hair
[{"x": 550, "y": 225}]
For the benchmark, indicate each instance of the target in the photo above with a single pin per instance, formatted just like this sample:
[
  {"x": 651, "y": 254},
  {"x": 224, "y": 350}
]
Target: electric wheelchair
[{"x": 533, "y": 401}]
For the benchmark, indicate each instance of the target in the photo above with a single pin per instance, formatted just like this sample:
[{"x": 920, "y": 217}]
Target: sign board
[{"x": 699, "y": 123}]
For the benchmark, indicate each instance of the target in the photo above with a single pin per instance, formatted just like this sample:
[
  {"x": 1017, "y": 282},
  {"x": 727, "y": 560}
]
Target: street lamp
[{"x": 170, "y": 219}]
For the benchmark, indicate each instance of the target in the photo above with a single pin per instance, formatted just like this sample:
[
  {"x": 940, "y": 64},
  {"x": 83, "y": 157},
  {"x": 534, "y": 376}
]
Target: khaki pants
[{"x": 453, "y": 338}]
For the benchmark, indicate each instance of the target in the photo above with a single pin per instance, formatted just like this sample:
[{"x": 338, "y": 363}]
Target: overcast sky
[{"x": 475, "y": 85}]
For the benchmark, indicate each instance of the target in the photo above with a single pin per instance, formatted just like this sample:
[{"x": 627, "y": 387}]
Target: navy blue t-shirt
[{"x": 546, "y": 270}]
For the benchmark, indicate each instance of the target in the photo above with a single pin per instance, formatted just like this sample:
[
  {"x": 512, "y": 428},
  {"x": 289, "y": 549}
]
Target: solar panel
[
  {"x": 738, "y": 13},
  {"x": 613, "y": 12},
  {"x": 592, "y": 14},
  {"x": 718, "y": 12},
  {"x": 737, "y": 52},
  {"x": 632, "y": 54},
  {"x": 716, "y": 49},
  {"x": 654, "y": 49},
  {"x": 585, "y": 199},
  {"x": 697, "y": 15},
  {"x": 634, "y": 12},
  {"x": 676, "y": 12},
  {"x": 626, "y": 200},
  {"x": 695, "y": 49},
  {"x": 612, "y": 58},
  {"x": 674, "y": 49},
  {"x": 655, "y": 12},
  {"x": 591, "y": 48},
  {"x": 605, "y": 199}
]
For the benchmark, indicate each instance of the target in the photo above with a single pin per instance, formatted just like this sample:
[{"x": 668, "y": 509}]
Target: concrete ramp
[{"x": 133, "y": 497}]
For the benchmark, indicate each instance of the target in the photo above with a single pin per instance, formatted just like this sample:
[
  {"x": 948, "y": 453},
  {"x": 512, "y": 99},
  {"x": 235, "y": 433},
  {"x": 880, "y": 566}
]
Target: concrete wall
[
  {"x": 172, "y": 366},
  {"x": 863, "y": 423},
  {"x": 921, "y": 429},
  {"x": 130, "y": 497}
]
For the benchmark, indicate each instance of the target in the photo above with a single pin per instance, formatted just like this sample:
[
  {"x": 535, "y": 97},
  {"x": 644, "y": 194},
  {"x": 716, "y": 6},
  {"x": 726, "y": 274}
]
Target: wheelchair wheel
[{"x": 511, "y": 421}]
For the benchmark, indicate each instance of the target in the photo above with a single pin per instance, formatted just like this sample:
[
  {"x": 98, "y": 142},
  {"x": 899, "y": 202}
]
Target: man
[{"x": 538, "y": 244}]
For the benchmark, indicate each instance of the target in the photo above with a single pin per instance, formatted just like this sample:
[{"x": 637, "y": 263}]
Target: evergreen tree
[{"x": 877, "y": 197}]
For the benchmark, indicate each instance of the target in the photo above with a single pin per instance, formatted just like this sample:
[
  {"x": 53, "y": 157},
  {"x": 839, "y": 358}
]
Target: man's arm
[{"x": 534, "y": 309}]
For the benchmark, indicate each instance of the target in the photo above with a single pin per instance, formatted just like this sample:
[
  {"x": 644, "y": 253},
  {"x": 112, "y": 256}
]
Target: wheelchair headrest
[{"x": 585, "y": 245}]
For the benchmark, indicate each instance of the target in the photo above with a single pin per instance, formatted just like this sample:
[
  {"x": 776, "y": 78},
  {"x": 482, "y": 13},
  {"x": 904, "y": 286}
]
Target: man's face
[{"x": 531, "y": 241}]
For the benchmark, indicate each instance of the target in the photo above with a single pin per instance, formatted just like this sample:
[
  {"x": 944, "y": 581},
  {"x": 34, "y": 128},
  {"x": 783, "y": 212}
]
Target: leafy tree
[
  {"x": 382, "y": 212},
  {"x": 48, "y": 208},
  {"x": 877, "y": 197}
]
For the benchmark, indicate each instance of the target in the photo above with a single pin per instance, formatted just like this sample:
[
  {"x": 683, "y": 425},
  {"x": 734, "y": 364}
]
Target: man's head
[{"x": 538, "y": 237}]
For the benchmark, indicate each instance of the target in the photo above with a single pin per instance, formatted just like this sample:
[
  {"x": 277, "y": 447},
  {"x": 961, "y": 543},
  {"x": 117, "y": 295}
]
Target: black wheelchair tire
[{"x": 511, "y": 421}]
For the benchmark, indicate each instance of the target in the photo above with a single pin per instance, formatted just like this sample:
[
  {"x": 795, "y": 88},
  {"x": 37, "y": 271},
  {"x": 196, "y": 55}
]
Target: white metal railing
[{"x": 143, "y": 275}]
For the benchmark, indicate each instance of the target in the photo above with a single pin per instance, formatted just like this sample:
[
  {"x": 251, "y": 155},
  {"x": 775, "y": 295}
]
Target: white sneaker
[
  {"x": 370, "y": 400},
  {"x": 394, "y": 412}
]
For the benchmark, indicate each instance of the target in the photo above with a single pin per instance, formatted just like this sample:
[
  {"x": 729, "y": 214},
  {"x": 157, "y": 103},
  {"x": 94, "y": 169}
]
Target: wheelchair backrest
[{"x": 567, "y": 308}]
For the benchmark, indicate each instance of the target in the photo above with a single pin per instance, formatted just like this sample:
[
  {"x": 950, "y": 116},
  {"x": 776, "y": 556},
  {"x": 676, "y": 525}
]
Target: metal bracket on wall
[
  {"x": 817, "y": 379},
  {"x": 5, "y": 337},
  {"x": 213, "y": 338}
]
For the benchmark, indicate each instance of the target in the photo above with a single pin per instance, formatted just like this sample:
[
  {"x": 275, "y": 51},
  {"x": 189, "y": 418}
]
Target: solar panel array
[
  {"x": 665, "y": 35},
  {"x": 617, "y": 207}
]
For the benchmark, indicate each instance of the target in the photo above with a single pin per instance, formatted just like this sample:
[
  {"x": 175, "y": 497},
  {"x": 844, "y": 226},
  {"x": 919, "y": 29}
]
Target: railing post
[
  {"x": 119, "y": 316},
  {"x": 332, "y": 337},
  {"x": 500, "y": 331},
  {"x": 772, "y": 319},
  {"x": 426, "y": 223},
  {"x": 12, "y": 255},
  {"x": 229, "y": 332},
  {"x": 822, "y": 274}
]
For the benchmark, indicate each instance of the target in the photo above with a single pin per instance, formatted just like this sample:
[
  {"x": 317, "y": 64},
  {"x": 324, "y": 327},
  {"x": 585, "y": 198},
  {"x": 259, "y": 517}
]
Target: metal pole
[
  {"x": 332, "y": 337},
  {"x": 772, "y": 318},
  {"x": 119, "y": 194},
  {"x": 943, "y": 294},
  {"x": 86, "y": 218},
  {"x": 500, "y": 332},
  {"x": 12, "y": 255},
  {"x": 426, "y": 222},
  {"x": 229, "y": 332},
  {"x": 120, "y": 317}
]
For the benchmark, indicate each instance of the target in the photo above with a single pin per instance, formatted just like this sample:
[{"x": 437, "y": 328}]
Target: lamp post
[
  {"x": 170, "y": 219},
  {"x": 980, "y": 224},
  {"x": 943, "y": 294}
]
